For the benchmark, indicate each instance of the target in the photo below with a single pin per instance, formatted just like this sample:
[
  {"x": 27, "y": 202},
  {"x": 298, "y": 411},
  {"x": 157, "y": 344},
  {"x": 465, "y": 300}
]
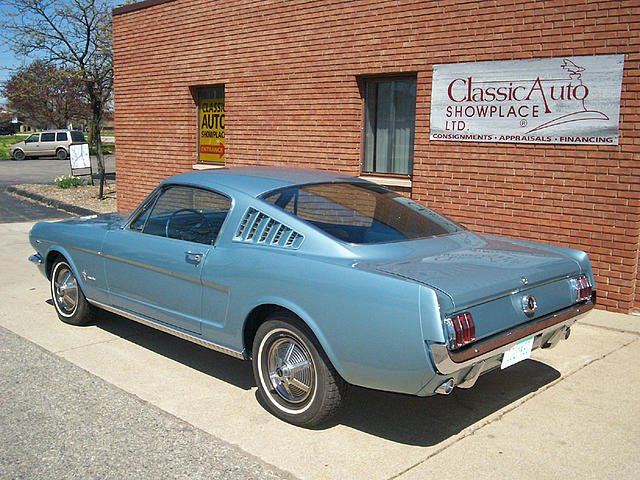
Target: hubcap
[
  {"x": 66, "y": 291},
  {"x": 290, "y": 370}
]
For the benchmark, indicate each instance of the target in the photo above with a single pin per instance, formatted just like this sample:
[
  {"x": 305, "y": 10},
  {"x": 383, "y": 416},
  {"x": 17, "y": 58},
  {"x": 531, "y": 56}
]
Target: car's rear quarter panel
[{"x": 368, "y": 324}]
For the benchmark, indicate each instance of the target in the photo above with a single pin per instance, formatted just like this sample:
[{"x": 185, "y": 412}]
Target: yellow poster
[{"x": 212, "y": 130}]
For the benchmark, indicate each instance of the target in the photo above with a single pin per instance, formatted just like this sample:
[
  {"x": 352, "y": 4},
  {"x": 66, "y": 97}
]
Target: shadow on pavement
[
  {"x": 209, "y": 362},
  {"x": 406, "y": 419}
]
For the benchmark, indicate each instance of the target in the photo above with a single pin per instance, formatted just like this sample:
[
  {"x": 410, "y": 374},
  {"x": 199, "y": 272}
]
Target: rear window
[
  {"x": 77, "y": 136},
  {"x": 361, "y": 212},
  {"x": 61, "y": 137}
]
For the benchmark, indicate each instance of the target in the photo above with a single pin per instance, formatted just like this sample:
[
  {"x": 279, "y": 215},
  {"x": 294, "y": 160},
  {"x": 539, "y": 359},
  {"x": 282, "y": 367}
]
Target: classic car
[{"x": 321, "y": 280}]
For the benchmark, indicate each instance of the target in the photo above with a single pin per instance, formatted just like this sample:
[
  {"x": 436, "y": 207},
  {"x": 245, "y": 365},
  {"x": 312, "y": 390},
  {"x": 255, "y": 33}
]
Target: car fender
[
  {"x": 304, "y": 316},
  {"x": 69, "y": 259}
]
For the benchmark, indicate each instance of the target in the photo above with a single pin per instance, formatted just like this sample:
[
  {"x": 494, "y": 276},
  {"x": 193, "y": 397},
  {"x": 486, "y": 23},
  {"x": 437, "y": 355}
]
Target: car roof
[{"x": 255, "y": 181}]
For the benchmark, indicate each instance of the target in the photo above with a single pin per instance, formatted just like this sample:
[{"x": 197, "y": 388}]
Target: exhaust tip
[{"x": 446, "y": 387}]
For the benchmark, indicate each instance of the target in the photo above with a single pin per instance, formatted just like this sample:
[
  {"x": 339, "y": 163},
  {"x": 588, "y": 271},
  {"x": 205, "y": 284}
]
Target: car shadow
[
  {"x": 427, "y": 421},
  {"x": 406, "y": 419},
  {"x": 207, "y": 361}
]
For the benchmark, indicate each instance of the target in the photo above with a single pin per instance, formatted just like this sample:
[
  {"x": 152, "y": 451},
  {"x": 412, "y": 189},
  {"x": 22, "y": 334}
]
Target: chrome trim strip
[
  {"x": 170, "y": 330},
  {"x": 445, "y": 364},
  {"x": 37, "y": 259}
]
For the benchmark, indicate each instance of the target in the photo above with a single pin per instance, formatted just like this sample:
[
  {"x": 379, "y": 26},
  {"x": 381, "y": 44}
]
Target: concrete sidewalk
[{"x": 572, "y": 411}]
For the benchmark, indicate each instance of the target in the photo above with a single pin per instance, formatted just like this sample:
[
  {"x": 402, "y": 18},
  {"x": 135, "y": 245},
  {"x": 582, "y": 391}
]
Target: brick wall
[{"x": 290, "y": 68}]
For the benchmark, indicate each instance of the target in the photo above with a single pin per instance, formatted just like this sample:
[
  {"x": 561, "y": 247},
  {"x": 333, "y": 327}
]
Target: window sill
[
  {"x": 389, "y": 181},
  {"x": 206, "y": 166}
]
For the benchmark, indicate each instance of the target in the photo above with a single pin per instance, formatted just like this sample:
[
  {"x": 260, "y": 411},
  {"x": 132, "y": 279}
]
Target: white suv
[{"x": 46, "y": 143}]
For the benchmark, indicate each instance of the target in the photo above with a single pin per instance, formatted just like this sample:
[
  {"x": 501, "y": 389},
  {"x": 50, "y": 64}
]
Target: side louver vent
[{"x": 259, "y": 228}]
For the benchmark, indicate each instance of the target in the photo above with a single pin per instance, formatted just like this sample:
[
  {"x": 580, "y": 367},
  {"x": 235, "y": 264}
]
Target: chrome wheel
[
  {"x": 294, "y": 377},
  {"x": 290, "y": 369},
  {"x": 65, "y": 290}
]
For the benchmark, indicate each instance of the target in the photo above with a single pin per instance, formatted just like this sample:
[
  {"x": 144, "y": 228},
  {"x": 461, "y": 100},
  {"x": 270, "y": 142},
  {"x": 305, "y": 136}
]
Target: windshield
[{"x": 361, "y": 212}]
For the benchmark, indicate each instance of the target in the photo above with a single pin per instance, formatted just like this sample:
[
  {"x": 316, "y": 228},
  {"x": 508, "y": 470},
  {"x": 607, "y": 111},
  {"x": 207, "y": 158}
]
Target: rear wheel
[
  {"x": 295, "y": 378},
  {"x": 69, "y": 301},
  {"x": 18, "y": 155},
  {"x": 61, "y": 154}
]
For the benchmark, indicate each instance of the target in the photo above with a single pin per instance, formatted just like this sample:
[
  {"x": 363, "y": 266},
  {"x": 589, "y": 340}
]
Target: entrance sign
[
  {"x": 566, "y": 100},
  {"x": 211, "y": 130}
]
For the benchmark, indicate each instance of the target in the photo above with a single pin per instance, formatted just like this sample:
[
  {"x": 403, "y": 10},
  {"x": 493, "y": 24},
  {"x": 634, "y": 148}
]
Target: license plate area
[{"x": 520, "y": 351}]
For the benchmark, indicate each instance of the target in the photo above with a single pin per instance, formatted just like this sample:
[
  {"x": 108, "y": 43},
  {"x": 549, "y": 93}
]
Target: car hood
[
  {"x": 108, "y": 221},
  {"x": 473, "y": 268}
]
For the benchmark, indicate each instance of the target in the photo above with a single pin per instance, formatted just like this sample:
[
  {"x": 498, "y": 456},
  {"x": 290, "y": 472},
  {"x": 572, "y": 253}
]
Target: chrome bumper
[
  {"x": 37, "y": 259},
  {"x": 447, "y": 362}
]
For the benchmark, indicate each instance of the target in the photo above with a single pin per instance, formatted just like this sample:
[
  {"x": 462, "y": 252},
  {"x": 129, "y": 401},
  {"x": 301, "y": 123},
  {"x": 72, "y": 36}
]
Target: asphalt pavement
[
  {"x": 59, "y": 421},
  {"x": 37, "y": 170}
]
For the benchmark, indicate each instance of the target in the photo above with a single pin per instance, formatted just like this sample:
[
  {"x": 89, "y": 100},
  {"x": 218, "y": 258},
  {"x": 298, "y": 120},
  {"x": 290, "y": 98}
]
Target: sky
[{"x": 9, "y": 61}]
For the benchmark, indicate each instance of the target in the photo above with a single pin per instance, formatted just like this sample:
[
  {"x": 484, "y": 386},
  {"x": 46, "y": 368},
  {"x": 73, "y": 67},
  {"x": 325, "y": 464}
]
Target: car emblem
[
  {"x": 529, "y": 304},
  {"x": 525, "y": 280}
]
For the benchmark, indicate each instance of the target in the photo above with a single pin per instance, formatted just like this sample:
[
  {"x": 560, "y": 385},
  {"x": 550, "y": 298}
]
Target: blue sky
[{"x": 9, "y": 61}]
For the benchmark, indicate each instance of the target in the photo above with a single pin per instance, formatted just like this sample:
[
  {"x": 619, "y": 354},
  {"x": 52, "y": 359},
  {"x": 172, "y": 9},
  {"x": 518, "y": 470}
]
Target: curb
[{"x": 66, "y": 207}]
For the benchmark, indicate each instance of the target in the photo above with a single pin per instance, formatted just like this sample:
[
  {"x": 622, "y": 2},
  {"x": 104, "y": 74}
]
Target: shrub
[{"x": 70, "y": 181}]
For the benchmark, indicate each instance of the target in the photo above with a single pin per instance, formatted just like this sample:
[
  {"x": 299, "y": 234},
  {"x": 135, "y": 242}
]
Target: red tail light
[
  {"x": 582, "y": 288},
  {"x": 460, "y": 330}
]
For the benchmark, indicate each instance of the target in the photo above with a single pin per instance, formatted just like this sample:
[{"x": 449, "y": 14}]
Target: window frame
[
  {"x": 149, "y": 204},
  {"x": 53, "y": 137},
  {"x": 362, "y": 83}
]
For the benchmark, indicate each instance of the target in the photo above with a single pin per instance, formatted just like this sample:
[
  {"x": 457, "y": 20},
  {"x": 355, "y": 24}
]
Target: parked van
[{"x": 46, "y": 143}]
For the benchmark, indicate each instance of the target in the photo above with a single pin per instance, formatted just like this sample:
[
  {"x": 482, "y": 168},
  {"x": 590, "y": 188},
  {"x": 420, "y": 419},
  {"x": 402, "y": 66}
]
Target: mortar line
[{"x": 512, "y": 407}]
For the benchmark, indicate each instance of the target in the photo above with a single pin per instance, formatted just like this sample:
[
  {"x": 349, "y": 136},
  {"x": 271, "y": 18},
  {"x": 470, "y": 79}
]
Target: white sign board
[
  {"x": 79, "y": 156},
  {"x": 566, "y": 100}
]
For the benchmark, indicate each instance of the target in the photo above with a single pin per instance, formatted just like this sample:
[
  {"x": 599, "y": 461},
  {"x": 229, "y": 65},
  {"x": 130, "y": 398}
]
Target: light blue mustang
[{"x": 322, "y": 280}]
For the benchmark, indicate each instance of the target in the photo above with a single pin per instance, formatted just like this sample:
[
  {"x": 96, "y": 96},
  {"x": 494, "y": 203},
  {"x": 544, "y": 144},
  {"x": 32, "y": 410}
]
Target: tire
[
  {"x": 306, "y": 397},
  {"x": 61, "y": 154},
  {"x": 69, "y": 301},
  {"x": 18, "y": 155}
]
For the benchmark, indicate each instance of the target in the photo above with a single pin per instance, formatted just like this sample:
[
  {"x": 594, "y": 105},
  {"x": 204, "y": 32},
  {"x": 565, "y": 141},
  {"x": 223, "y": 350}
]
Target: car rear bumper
[{"x": 546, "y": 330}]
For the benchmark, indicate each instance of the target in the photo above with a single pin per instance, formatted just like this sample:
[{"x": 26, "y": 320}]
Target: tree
[
  {"x": 46, "y": 96},
  {"x": 73, "y": 34}
]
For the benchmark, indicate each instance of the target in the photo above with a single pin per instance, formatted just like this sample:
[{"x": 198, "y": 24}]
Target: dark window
[
  {"x": 77, "y": 136},
  {"x": 185, "y": 213},
  {"x": 361, "y": 212},
  {"x": 389, "y": 125},
  {"x": 33, "y": 138},
  {"x": 47, "y": 137},
  {"x": 61, "y": 137}
]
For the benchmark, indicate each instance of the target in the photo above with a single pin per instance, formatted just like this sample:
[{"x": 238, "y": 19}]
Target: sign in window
[{"x": 211, "y": 131}]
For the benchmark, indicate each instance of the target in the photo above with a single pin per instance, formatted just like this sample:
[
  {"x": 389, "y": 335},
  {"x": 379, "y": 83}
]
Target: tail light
[
  {"x": 582, "y": 288},
  {"x": 460, "y": 330}
]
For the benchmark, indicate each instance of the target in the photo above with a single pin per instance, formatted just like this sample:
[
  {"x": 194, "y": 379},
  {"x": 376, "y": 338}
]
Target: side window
[
  {"x": 389, "y": 125},
  {"x": 47, "y": 137},
  {"x": 185, "y": 213},
  {"x": 61, "y": 137},
  {"x": 77, "y": 136},
  {"x": 33, "y": 138}
]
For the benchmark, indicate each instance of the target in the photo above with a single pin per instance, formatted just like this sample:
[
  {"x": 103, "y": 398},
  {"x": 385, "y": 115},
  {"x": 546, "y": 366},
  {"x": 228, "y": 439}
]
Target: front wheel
[
  {"x": 18, "y": 155},
  {"x": 295, "y": 378},
  {"x": 69, "y": 301}
]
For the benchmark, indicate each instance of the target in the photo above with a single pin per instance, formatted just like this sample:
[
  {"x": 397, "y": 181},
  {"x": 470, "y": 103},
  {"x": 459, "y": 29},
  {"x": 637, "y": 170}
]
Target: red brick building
[{"x": 296, "y": 80}]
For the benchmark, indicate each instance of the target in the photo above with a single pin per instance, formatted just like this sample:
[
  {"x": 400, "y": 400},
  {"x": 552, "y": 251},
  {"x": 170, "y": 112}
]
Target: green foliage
[
  {"x": 70, "y": 181},
  {"x": 107, "y": 149},
  {"x": 6, "y": 141}
]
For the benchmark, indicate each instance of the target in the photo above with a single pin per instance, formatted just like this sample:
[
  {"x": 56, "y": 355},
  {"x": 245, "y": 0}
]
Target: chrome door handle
[{"x": 193, "y": 258}]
